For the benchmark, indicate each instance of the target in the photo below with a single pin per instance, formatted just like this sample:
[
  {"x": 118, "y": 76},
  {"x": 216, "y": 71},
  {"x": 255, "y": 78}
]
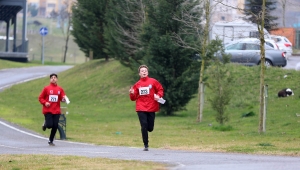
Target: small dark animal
[{"x": 285, "y": 92}]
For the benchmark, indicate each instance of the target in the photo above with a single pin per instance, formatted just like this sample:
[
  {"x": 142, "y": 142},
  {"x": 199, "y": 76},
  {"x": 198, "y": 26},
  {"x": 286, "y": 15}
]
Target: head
[
  {"x": 53, "y": 78},
  {"x": 289, "y": 92},
  {"x": 143, "y": 71}
]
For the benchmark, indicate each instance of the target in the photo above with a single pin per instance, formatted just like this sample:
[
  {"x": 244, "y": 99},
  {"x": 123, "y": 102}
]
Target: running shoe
[
  {"x": 44, "y": 127},
  {"x": 51, "y": 143},
  {"x": 146, "y": 148}
]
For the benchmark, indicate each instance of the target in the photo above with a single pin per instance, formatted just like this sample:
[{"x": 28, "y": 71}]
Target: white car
[
  {"x": 283, "y": 44},
  {"x": 272, "y": 43}
]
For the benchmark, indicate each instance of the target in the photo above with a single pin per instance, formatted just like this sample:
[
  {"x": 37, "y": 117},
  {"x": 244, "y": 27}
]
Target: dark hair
[{"x": 53, "y": 74}]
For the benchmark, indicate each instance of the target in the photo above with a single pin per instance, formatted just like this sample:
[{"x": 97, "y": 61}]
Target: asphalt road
[
  {"x": 17, "y": 140},
  {"x": 12, "y": 76},
  {"x": 292, "y": 62}
]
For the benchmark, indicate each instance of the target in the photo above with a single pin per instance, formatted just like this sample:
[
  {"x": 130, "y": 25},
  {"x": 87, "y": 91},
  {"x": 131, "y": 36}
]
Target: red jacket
[
  {"x": 54, "y": 95},
  {"x": 144, "y": 91}
]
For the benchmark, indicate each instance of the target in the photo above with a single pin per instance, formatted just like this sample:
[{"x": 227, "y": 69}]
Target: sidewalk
[{"x": 296, "y": 52}]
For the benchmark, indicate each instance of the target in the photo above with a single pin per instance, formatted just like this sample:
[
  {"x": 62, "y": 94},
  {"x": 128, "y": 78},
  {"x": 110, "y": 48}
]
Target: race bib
[
  {"x": 53, "y": 98},
  {"x": 144, "y": 90}
]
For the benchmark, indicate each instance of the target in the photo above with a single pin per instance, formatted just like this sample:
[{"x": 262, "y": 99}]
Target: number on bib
[
  {"x": 144, "y": 91},
  {"x": 53, "y": 98}
]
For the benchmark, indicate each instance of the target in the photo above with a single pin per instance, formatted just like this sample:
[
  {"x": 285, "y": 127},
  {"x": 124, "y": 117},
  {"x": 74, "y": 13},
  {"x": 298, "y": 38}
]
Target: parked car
[
  {"x": 247, "y": 51},
  {"x": 272, "y": 43},
  {"x": 283, "y": 44},
  {"x": 235, "y": 30}
]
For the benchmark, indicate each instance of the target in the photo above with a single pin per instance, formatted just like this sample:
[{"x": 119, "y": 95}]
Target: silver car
[{"x": 247, "y": 52}]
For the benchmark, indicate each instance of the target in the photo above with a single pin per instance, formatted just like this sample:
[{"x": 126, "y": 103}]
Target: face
[
  {"x": 143, "y": 72},
  {"x": 289, "y": 92},
  {"x": 53, "y": 80}
]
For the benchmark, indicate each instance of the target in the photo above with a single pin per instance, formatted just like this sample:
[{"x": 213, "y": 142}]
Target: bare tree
[
  {"x": 283, "y": 5},
  {"x": 130, "y": 34},
  {"x": 262, "y": 68},
  {"x": 260, "y": 17},
  {"x": 201, "y": 32},
  {"x": 133, "y": 11},
  {"x": 66, "y": 14}
]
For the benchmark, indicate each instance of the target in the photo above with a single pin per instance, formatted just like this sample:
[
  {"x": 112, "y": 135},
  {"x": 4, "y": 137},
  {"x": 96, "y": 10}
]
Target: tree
[
  {"x": 219, "y": 81},
  {"x": 53, "y": 14},
  {"x": 66, "y": 15},
  {"x": 283, "y": 5},
  {"x": 32, "y": 8},
  {"x": 169, "y": 63},
  {"x": 260, "y": 17},
  {"x": 201, "y": 33},
  {"x": 262, "y": 68},
  {"x": 124, "y": 22},
  {"x": 254, "y": 7},
  {"x": 88, "y": 26}
]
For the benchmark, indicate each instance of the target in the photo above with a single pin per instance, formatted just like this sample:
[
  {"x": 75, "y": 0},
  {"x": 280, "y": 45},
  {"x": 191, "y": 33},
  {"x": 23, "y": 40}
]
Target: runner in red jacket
[
  {"x": 146, "y": 92},
  {"x": 50, "y": 98}
]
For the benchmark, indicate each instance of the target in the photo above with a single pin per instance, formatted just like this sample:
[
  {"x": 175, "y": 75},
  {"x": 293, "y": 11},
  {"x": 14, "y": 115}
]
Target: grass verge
[
  {"x": 102, "y": 113},
  {"x": 49, "y": 162}
]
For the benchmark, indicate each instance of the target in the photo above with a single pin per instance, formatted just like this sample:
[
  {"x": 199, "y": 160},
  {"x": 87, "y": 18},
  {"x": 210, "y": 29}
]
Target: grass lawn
[
  {"x": 54, "y": 42},
  {"x": 100, "y": 108},
  {"x": 9, "y": 64},
  {"x": 48, "y": 162},
  {"x": 102, "y": 113}
]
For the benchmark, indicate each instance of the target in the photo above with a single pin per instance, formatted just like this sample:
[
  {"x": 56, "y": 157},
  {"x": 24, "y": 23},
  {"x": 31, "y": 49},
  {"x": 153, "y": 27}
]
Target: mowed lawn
[{"x": 101, "y": 112}]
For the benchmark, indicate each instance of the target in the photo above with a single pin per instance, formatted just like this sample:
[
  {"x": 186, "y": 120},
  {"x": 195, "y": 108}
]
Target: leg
[
  {"x": 150, "y": 119},
  {"x": 48, "y": 120},
  {"x": 54, "y": 126},
  {"x": 144, "y": 126}
]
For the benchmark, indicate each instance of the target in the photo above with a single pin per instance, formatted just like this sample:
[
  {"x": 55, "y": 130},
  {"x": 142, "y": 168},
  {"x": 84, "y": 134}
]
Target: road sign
[{"x": 44, "y": 31}]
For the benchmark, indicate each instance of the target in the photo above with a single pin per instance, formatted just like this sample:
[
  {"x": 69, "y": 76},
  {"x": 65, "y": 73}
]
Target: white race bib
[
  {"x": 53, "y": 98},
  {"x": 144, "y": 90}
]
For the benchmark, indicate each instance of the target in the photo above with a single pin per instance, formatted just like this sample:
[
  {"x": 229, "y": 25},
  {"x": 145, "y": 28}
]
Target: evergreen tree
[
  {"x": 169, "y": 63},
  {"x": 32, "y": 8},
  {"x": 220, "y": 81},
  {"x": 88, "y": 26},
  {"x": 253, "y": 9},
  {"x": 124, "y": 21}
]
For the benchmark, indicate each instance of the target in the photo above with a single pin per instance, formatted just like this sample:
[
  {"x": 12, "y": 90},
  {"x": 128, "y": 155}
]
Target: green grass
[
  {"x": 50, "y": 162},
  {"x": 54, "y": 42},
  {"x": 4, "y": 64},
  {"x": 9, "y": 64},
  {"x": 102, "y": 113}
]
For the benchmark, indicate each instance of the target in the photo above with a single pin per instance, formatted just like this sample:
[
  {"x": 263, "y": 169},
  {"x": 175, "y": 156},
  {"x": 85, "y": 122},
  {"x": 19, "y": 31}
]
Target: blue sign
[{"x": 44, "y": 31}]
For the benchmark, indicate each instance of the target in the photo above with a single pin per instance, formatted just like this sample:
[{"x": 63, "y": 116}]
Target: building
[
  {"x": 226, "y": 10},
  {"x": 45, "y": 7}
]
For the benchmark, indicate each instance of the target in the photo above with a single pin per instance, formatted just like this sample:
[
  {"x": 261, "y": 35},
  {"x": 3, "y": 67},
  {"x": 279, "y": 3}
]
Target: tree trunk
[
  {"x": 262, "y": 68},
  {"x": 204, "y": 45},
  {"x": 67, "y": 40},
  {"x": 283, "y": 11}
]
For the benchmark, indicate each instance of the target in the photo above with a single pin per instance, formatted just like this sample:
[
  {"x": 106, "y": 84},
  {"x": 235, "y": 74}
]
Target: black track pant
[
  {"x": 51, "y": 121},
  {"x": 147, "y": 124}
]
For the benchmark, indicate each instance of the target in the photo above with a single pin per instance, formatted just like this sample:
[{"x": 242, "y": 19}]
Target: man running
[
  {"x": 50, "y": 98},
  {"x": 146, "y": 92}
]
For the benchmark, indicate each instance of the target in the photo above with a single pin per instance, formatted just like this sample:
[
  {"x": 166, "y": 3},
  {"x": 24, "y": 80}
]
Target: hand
[
  {"x": 131, "y": 90},
  {"x": 47, "y": 104},
  {"x": 156, "y": 97}
]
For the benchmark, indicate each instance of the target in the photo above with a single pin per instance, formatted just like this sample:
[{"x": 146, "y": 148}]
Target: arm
[
  {"x": 159, "y": 90},
  {"x": 62, "y": 94},
  {"x": 133, "y": 93},
  {"x": 42, "y": 97}
]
